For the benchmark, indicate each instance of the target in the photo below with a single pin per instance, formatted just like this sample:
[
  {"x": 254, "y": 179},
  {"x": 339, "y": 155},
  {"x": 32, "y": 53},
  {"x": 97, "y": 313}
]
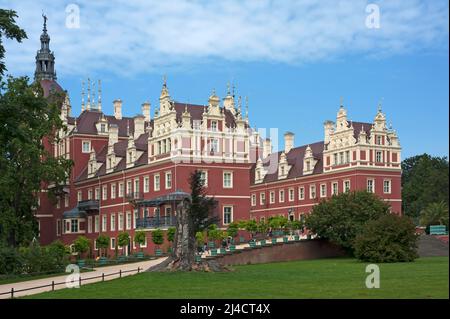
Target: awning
[{"x": 74, "y": 213}]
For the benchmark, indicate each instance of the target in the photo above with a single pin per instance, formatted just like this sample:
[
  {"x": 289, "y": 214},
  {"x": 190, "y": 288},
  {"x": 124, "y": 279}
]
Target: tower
[{"x": 45, "y": 60}]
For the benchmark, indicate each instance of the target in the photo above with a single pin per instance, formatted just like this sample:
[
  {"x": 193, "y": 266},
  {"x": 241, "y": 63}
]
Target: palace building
[{"x": 128, "y": 170}]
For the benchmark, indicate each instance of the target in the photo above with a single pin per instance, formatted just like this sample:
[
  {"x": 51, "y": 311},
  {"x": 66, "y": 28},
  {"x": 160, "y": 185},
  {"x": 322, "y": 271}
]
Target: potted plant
[
  {"x": 158, "y": 239},
  {"x": 140, "y": 239},
  {"x": 123, "y": 239},
  {"x": 232, "y": 231},
  {"x": 171, "y": 237},
  {"x": 214, "y": 234},
  {"x": 81, "y": 245},
  {"x": 102, "y": 242}
]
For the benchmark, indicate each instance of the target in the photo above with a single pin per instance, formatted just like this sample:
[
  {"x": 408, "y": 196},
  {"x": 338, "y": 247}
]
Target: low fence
[{"x": 80, "y": 280}]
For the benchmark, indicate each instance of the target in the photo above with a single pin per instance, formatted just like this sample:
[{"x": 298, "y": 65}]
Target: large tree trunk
[{"x": 183, "y": 255}]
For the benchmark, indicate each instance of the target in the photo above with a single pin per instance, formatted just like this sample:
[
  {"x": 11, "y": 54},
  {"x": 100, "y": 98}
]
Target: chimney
[
  {"x": 146, "y": 111},
  {"x": 113, "y": 134},
  {"x": 288, "y": 141},
  {"x": 267, "y": 148},
  {"x": 328, "y": 129},
  {"x": 118, "y": 109},
  {"x": 139, "y": 126}
]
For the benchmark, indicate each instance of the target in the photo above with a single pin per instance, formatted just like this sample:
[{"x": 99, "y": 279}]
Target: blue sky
[{"x": 293, "y": 59}]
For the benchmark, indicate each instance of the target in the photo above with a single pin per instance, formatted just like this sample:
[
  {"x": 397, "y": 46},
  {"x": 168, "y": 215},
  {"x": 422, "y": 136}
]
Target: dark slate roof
[
  {"x": 49, "y": 85},
  {"x": 294, "y": 158},
  {"x": 357, "y": 127},
  {"x": 196, "y": 112}
]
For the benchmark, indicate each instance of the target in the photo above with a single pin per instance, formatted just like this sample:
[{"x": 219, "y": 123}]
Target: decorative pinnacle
[
  {"x": 45, "y": 22},
  {"x": 82, "y": 95},
  {"x": 246, "y": 107},
  {"x": 379, "y": 105},
  {"x": 228, "y": 88},
  {"x": 341, "y": 101},
  {"x": 99, "y": 101}
]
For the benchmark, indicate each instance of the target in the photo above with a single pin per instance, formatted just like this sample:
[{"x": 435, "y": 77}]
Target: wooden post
[
  {"x": 53, "y": 285},
  {"x": 120, "y": 273},
  {"x": 79, "y": 281},
  {"x": 12, "y": 292},
  {"x": 103, "y": 276}
]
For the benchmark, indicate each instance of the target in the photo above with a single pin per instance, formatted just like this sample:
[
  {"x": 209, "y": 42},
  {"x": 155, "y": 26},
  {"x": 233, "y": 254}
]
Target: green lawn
[{"x": 324, "y": 278}]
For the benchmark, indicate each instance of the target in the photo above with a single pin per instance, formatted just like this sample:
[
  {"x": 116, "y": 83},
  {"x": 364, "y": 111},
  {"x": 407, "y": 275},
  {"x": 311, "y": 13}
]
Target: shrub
[
  {"x": 58, "y": 254},
  {"x": 390, "y": 238},
  {"x": 102, "y": 243},
  {"x": 139, "y": 238},
  {"x": 123, "y": 239},
  {"x": 11, "y": 262},
  {"x": 157, "y": 237},
  {"x": 81, "y": 245},
  {"x": 342, "y": 217},
  {"x": 171, "y": 234},
  {"x": 232, "y": 229}
]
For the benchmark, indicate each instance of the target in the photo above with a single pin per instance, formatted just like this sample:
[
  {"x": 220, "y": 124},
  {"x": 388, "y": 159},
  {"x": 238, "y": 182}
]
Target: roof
[
  {"x": 196, "y": 112},
  {"x": 358, "y": 126},
  {"x": 294, "y": 158},
  {"x": 49, "y": 85}
]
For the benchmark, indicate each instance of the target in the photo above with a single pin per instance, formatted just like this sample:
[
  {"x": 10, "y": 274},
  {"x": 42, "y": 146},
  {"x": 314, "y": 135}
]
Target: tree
[
  {"x": 139, "y": 238},
  {"x": 157, "y": 237},
  {"x": 27, "y": 120},
  {"x": 102, "y": 243},
  {"x": 251, "y": 226},
  {"x": 123, "y": 239},
  {"x": 434, "y": 214},
  {"x": 81, "y": 245},
  {"x": 390, "y": 238},
  {"x": 342, "y": 217},
  {"x": 171, "y": 234},
  {"x": 10, "y": 30},
  {"x": 232, "y": 229},
  {"x": 424, "y": 181},
  {"x": 214, "y": 233}
]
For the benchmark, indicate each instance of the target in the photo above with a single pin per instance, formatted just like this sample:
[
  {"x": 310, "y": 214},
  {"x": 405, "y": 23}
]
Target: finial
[
  {"x": 246, "y": 107},
  {"x": 228, "y": 88},
  {"x": 341, "y": 101},
  {"x": 82, "y": 96},
  {"x": 233, "y": 90},
  {"x": 45, "y": 22},
  {"x": 379, "y": 105},
  {"x": 240, "y": 103},
  {"x": 185, "y": 108},
  {"x": 214, "y": 91},
  {"x": 99, "y": 102},
  {"x": 88, "y": 107},
  {"x": 94, "y": 106},
  {"x": 164, "y": 80},
  {"x": 390, "y": 126},
  {"x": 128, "y": 128}
]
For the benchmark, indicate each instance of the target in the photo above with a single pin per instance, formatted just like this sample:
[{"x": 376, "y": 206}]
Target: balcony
[
  {"x": 156, "y": 222},
  {"x": 88, "y": 205},
  {"x": 134, "y": 196}
]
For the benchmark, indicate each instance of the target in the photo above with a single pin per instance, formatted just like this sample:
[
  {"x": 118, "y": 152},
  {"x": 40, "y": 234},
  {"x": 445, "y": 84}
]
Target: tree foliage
[
  {"x": 27, "y": 120},
  {"x": 10, "y": 30},
  {"x": 390, "y": 238},
  {"x": 342, "y": 217},
  {"x": 102, "y": 242},
  {"x": 232, "y": 229},
  {"x": 157, "y": 236},
  {"x": 123, "y": 239},
  {"x": 434, "y": 214},
  {"x": 81, "y": 245},
  {"x": 139, "y": 238},
  {"x": 171, "y": 234},
  {"x": 424, "y": 181}
]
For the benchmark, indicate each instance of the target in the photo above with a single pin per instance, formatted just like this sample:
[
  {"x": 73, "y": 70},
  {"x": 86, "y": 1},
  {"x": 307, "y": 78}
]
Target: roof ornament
[
  {"x": 94, "y": 106},
  {"x": 82, "y": 96},
  {"x": 45, "y": 22},
  {"x": 232, "y": 91},
  {"x": 246, "y": 107},
  {"x": 128, "y": 127},
  {"x": 99, "y": 98},
  {"x": 379, "y": 105},
  {"x": 75, "y": 126},
  {"x": 228, "y": 88},
  {"x": 341, "y": 102},
  {"x": 88, "y": 106}
]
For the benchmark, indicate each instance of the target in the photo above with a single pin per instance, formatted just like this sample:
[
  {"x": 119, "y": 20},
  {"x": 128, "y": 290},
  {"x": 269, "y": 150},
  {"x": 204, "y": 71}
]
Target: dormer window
[
  {"x": 86, "y": 147},
  {"x": 308, "y": 165},
  {"x": 197, "y": 124},
  {"x": 214, "y": 126}
]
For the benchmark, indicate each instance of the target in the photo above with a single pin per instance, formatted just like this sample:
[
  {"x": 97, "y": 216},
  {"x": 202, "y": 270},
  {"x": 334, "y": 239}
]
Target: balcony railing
[
  {"x": 156, "y": 222},
  {"x": 134, "y": 196},
  {"x": 88, "y": 205}
]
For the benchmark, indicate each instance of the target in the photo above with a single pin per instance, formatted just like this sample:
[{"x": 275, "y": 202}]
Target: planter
[
  {"x": 213, "y": 252},
  {"x": 198, "y": 258},
  {"x": 158, "y": 252},
  {"x": 296, "y": 237},
  {"x": 232, "y": 248},
  {"x": 285, "y": 240},
  {"x": 211, "y": 244},
  {"x": 252, "y": 244},
  {"x": 140, "y": 254},
  {"x": 223, "y": 251},
  {"x": 241, "y": 240},
  {"x": 262, "y": 242},
  {"x": 274, "y": 241},
  {"x": 81, "y": 263}
]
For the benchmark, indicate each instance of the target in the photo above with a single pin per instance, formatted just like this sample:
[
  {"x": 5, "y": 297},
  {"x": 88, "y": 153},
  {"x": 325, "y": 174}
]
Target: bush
[
  {"x": 81, "y": 245},
  {"x": 139, "y": 238},
  {"x": 232, "y": 230},
  {"x": 58, "y": 254},
  {"x": 102, "y": 243},
  {"x": 390, "y": 238},
  {"x": 157, "y": 237},
  {"x": 171, "y": 234},
  {"x": 11, "y": 262},
  {"x": 341, "y": 218}
]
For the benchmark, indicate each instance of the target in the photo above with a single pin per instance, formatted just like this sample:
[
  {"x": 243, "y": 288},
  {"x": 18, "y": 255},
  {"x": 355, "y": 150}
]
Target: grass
[{"x": 324, "y": 278}]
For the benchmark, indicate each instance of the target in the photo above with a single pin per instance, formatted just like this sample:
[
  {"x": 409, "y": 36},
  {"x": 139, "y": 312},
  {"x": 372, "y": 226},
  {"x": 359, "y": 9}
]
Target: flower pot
[
  {"x": 262, "y": 242},
  {"x": 274, "y": 241},
  {"x": 232, "y": 248},
  {"x": 285, "y": 240},
  {"x": 296, "y": 237},
  {"x": 158, "y": 252},
  {"x": 213, "y": 252}
]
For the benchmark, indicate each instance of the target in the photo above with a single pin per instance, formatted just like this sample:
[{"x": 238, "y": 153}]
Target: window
[
  {"x": 308, "y": 165},
  {"x": 89, "y": 224},
  {"x": 58, "y": 202},
  {"x": 341, "y": 158},
  {"x": 146, "y": 184},
  {"x": 347, "y": 156},
  {"x": 136, "y": 216},
  {"x": 227, "y": 180},
  {"x": 104, "y": 222},
  {"x": 168, "y": 180},
  {"x": 334, "y": 188},
  {"x": 335, "y": 158},
  {"x": 214, "y": 145},
  {"x": 113, "y": 243},
  {"x": 323, "y": 190},
  {"x": 86, "y": 148},
  {"x": 213, "y": 126},
  {"x": 281, "y": 196},
  {"x": 58, "y": 227},
  {"x": 129, "y": 187},
  {"x": 113, "y": 190},
  {"x": 96, "y": 224},
  {"x": 113, "y": 222},
  {"x": 79, "y": 196},
  {"x": 120, "y": 221},
  {"x": 120, "y": 190},
  {"x": 204, "y": 177},
  {"x": 370, "y": 185},
  {"x": 128, "y": 225},
  {"x": 105, "y": 192},
  {"x": 378, "y": 156},
  {"x": 74, "y": 226},
  {"x": 346, "y": 186},
  {"x": 90, "y": 194},
  {"x": 66, "y": 200},
  {"x": 103, "y": 128},
  {"x": 312, "y": 191},
  {"x": 378, "y": 140},
  {"x": 197, "y": 124},
  {"x": 156, "y": 184},
  {"x": 97, "y": 193},
  {"x": 253, "y": 199},
  {"x": 227, "y": 215},
  {"x": 291, "y": 194},
  {"x": 272, "y": 197},
  {"x": 136, "y": 186},
  {"x": 301, "y": 193},
  {"x": 387, "y": 186},
  {"x": 262, "y": 198}
]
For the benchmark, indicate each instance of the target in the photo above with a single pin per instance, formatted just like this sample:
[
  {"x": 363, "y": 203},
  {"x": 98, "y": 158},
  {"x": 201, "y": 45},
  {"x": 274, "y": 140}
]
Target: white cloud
[{"x": 129, "y": 37}]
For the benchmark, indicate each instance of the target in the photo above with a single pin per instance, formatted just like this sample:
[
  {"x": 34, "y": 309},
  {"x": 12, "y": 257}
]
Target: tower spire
[{"x": 45, "y": 60}]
